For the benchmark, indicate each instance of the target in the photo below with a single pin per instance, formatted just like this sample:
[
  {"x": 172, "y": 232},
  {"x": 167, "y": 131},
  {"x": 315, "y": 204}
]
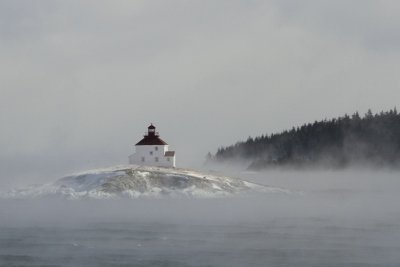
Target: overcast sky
[{"x": 81, "y": 80}]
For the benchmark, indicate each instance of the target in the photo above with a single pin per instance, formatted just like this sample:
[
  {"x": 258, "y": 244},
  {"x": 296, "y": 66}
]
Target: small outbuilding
[{"x": 152, "y": 151}]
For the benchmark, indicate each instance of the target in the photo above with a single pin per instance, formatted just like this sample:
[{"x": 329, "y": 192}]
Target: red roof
[
  {"x": 169, "y": 153},
  {"x": 151, "y": 141}
]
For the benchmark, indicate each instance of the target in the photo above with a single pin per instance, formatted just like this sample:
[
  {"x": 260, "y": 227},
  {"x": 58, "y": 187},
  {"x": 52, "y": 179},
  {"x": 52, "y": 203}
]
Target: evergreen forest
[{"x": 370, "y": 140}]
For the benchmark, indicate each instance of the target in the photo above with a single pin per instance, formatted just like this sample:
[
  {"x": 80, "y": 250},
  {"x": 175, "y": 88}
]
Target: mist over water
[
  {"x": 342, "y": 218},
  {"x": 81, "y": 81}
]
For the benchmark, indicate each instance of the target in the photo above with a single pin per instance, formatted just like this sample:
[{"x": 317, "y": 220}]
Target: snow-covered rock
[{"x": 138, "y": 181}]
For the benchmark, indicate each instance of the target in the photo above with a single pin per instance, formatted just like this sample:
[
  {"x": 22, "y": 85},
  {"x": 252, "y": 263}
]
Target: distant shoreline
[{"x": 369, "y": 141}]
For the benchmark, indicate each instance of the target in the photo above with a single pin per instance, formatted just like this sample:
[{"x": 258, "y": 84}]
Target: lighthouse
[{"x": 152, "y": 151}]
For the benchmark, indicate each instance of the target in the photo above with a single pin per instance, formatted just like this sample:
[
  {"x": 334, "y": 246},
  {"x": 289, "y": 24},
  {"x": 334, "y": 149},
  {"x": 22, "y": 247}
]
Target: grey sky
[{"x": 81, "y": 80}]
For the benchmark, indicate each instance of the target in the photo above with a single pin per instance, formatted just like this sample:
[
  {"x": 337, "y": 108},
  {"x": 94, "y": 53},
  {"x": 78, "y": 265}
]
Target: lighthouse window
[
  {"x": 142, "y": 159},
  {"x": 156, "y": 148},
  {"x": 156, "y": 159},
  {"x": 151, "y": 152},
  {"x": 168, "y": 159}
]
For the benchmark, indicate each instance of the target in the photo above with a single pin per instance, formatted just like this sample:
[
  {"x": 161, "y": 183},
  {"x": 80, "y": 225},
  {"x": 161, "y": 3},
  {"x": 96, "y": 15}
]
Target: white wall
[{"x": 150, "y": 154}]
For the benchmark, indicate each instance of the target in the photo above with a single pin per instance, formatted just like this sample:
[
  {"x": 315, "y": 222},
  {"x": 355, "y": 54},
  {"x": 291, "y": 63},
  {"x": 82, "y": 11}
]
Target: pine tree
[{"x": 344, "y": 140}]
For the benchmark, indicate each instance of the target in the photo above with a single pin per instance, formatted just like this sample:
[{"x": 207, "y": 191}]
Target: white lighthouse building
[{"x": 152, "y": 151}]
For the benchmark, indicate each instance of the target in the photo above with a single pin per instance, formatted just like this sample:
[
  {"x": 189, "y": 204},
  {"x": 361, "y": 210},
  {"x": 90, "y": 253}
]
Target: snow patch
[{"x": 139, "y": 182}]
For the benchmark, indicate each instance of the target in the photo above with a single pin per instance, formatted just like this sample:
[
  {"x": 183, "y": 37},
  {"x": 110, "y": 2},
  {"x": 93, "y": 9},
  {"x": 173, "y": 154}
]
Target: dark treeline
[{"x": 373, "y": 139}]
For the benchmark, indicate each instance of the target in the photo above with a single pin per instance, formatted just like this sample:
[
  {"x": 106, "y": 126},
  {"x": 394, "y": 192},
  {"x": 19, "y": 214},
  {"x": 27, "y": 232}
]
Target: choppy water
[
  {"x": 277, "y": 243},
  {"x": 333, "y": 224}
]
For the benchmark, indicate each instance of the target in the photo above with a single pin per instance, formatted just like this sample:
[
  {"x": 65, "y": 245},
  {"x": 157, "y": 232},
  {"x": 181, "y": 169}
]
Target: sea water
[{"x": 334, "y": 219}]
